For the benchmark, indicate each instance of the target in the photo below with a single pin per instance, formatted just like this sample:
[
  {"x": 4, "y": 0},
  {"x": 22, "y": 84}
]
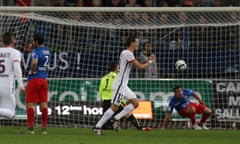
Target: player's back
[
  {"x": 43, "y": 56},
  {"x": 7, "y": 56}
]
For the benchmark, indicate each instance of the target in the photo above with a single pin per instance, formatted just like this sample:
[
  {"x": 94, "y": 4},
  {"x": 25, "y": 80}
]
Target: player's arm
[
  {"x": 139, "y": 65},
  {"x": 18, "y": 73},
  {"x": 166, "y": 121},
  {"x": 197, "y": 97},
  {"x": 33, "y": 67}
]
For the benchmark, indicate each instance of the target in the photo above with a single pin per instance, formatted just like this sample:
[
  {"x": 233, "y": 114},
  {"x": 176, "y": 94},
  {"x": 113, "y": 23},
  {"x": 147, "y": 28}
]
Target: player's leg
[
  {"x": 106, "y": 105},
  {"x": 7, "y": 104},
  {"x": 30, "y": 117},
  {"x": 190, "y": 112},
  {"x": 43, "y": 97},
  {"x": 133, "y": 103},
  {"x": 128, "y": 109},
  {"x": 116, "y": 101},
  {"x": 31, "y": 98},
  {"x": 134, "y": 121},
  {"x": 206, "y": 112},
  {"x": 44, "y": 110},
  {"x": 106, "y": 116}
]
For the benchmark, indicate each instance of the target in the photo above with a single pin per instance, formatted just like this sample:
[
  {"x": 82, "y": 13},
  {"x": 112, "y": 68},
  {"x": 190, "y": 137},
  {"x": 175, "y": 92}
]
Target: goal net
[{"x": 83, "y": 41}]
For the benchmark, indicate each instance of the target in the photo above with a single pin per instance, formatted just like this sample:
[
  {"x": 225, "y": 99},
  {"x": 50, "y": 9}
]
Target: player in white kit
[
  {"x": 120, "y": 86},
  {"x": 10, "y": 68}
]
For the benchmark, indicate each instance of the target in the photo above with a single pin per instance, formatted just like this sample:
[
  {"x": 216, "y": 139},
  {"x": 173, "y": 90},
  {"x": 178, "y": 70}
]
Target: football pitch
[{"x": 11, "y": 135}]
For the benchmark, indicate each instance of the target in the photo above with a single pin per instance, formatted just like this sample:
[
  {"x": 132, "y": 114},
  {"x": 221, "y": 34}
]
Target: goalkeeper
[{"x": 105, "y": 92}]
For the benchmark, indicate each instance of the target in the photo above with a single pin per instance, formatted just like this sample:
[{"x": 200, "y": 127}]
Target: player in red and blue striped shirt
[
  {"x": 181, "y": 102},
  {"x": 37, "y": 85}
]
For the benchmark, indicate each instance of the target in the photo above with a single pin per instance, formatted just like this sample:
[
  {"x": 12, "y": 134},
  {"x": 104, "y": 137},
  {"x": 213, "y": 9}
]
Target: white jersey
[
  {"x": 8, "y": 56},
  {"x": 120, "y": 88},
  {"x": 125, "y": 67}
]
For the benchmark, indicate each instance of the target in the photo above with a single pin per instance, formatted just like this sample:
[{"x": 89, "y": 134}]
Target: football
[{"x": 180, "y": 65}]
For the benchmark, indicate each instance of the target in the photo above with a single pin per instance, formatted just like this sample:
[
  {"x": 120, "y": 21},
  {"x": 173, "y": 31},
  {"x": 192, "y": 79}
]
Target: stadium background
[{"x": 79, "y": 67}]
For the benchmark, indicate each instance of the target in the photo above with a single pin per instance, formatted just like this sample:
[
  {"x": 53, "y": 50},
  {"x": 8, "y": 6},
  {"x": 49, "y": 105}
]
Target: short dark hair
[
  {"x": 7, "y": 38},
  {"x": 130, "y": 39},
  {"x": 177, "y": 87},
  {"x": 113, "y": 66},
  {"x": 38, "y": 38}
]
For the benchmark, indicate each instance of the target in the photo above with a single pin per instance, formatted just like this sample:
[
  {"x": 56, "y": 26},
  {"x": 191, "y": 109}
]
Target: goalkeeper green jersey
[{"x": 105, "y": 88}]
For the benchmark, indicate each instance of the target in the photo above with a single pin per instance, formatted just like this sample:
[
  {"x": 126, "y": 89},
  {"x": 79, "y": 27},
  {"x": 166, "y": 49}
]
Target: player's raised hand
[{"x": 152, "y": 57}]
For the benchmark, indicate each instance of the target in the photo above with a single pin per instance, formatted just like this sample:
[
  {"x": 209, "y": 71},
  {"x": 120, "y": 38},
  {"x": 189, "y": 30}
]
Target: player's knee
[
  {"x": 43, "y": 105},
  {"x": 191, "y": 110},
  {"x": 208, "y": 111},
  {"x": 136, "y": 104},
  {"x": 114, "y": 107}
]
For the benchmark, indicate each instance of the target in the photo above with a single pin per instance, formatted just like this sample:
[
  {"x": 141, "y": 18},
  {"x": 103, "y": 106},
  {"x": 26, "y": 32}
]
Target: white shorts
[
  {"x": 123, "y": 92},
  {"x": 7, "y": 98}
]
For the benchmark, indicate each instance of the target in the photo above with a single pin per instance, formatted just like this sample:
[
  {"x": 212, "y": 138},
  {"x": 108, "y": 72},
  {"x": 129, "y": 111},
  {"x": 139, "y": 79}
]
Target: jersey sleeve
[
  {"x": 34, "y": 54},
  {"x": 130, "y": 57},
  {"x": 188, "y": 92},
  {"x": 170, "y": 106},
  {"x": 16, "y": 56}
]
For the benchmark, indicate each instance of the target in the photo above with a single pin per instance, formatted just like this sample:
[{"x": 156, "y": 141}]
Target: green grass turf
[{"x": 11, "y": 135}]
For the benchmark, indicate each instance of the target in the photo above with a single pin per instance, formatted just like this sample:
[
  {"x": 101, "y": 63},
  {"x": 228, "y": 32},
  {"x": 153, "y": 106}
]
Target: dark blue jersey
[
  {"x": 43, "y": 56},
  {"x": 180, "y": 103}
]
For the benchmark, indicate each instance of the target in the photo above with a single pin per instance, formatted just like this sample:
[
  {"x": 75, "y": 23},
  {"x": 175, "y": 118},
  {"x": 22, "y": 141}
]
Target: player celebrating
[
  {"x": 10, "y": 68},
  {"x": 181, "y": 102},
  {"x": 37, "y": 85},
  {"x": 120, "y": 86},
  {"x": 105, "y": 92}
]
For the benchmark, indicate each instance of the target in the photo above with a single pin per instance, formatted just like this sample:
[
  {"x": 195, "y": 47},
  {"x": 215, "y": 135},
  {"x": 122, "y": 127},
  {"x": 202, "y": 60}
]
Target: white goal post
[{"x": 84, "y": 40}]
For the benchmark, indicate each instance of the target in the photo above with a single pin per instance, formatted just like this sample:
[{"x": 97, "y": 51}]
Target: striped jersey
[
  {"x": 43, "y": 56},
  {"x": 125, "y": 66},
  {"x": 180, "y": 103}
]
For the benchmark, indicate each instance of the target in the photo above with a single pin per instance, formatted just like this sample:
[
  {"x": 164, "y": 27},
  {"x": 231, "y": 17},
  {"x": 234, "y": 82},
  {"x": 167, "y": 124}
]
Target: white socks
[
  {"x": 107, "y": 115},
  {"x": 129, "y": 108}
]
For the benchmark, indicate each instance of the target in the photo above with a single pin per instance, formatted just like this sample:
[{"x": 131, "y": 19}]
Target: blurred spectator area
[{"x": 122, "y": 3}]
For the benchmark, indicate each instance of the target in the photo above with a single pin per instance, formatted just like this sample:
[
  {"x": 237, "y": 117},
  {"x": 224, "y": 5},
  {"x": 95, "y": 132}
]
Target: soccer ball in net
[{"x": 180, "y": 65}]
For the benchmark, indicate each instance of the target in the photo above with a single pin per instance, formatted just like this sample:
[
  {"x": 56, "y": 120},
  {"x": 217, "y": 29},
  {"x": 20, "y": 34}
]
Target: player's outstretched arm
[
  {"x": 197, "y": 97},
  {"x": 139, "y": 65},
  {"x": 166, "y": 121}
]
